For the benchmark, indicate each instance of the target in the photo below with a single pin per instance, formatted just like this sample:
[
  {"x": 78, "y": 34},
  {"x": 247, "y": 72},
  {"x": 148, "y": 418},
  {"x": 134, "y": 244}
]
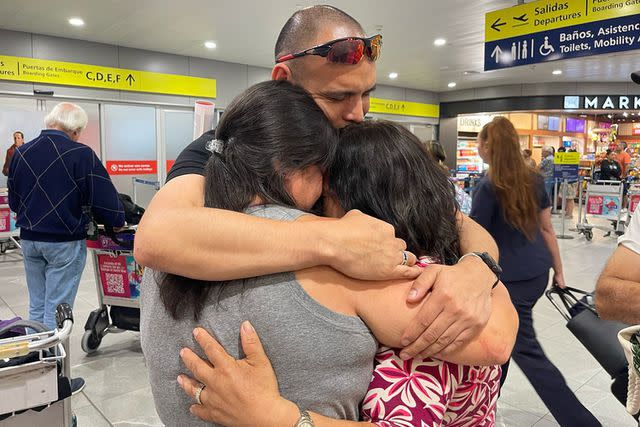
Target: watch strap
[
  {"x": 489, "y": 262},
  {"x": 304, "y": 420}
]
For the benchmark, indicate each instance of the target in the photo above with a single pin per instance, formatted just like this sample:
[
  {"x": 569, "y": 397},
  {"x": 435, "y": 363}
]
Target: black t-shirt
[
  {"x": 610, "y": 170},
  {"x": 193, "y": 158}
]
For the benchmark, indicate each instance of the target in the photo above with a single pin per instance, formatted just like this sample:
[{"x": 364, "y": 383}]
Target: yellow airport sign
[
  {"x": 93, "y": 76},
  {"x": 566, "y": 158},
  {"x": 403, "y": 108},
  {"x": 545, "y": 15}
]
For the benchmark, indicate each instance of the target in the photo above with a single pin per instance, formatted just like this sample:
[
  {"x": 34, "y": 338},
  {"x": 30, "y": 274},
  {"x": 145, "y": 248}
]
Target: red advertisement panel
[
  {"x": 113, "y": 275},
  {"x": 132, "y": 167},
  {"x": 594, "y": 205},
  {"x": 634, "y": 201}
]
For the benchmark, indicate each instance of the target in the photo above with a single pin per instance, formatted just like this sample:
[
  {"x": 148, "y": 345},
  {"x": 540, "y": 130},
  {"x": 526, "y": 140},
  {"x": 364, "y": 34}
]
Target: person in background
[
  {"x": 547, "y": 170},
  {"x": 326, "y": 52},
  {"x": 610, "y": 169},
  {"x": 437, "y": 151},
  {"x": 618, "y": 288},
  {"x": 462, "y": 197},
  {"x": 623, "y": 158},
  {"x": 510, "y": 202},
  {"x": 55, "y": 184},
  {"x": 528, "y": 160},
  {"x": 18, "y": 140}
]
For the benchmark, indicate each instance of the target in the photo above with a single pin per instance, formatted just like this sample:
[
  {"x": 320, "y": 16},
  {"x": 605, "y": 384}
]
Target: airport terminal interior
[{"x": 132, "y": 84}]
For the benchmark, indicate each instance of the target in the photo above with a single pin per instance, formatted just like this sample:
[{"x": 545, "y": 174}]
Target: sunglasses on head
[{"x": 348, "y": 50}]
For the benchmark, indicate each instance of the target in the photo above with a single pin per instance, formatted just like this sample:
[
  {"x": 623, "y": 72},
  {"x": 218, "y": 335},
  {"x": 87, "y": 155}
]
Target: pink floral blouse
[{"x": 430, "y": 393}]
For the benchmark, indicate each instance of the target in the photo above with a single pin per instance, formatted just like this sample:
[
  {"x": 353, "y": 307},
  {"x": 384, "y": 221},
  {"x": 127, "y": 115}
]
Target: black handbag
[{"x": 598, "y": 336}]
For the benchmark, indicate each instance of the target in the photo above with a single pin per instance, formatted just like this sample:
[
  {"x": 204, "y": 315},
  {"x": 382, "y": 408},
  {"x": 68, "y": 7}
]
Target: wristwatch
[
  {"x": 489, "y": 261},
  {"x": 304, "y": 420}
]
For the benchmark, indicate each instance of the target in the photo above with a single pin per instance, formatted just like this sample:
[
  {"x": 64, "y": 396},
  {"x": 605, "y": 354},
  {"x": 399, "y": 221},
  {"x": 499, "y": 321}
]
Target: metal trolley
[
  {"x": 8, "y": 232},
  {"x": 601, "y": 199},
  {"x": 118, "y": 279},
  {"x": 35, "y": 375}
]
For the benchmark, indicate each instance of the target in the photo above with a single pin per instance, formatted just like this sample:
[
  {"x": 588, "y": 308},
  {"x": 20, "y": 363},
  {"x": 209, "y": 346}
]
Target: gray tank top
[{"x": 323, "y": 359}]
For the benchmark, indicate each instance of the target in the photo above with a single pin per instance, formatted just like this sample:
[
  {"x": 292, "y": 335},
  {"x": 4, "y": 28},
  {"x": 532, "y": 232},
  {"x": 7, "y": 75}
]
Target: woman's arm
[
  {"x": 242, "y": 393},
  {"x": 179, "y": 235},
  {"x": 385, "y": 310},
  {"x": 549, "y": 236}
]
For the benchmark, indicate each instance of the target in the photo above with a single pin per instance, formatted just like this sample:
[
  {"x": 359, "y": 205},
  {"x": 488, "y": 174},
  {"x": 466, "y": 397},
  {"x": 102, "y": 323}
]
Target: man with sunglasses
[{"x": 325, "y": 51}]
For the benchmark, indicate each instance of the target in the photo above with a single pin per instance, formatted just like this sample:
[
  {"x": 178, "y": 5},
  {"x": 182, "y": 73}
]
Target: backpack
[{"x": 132, "y": 212}]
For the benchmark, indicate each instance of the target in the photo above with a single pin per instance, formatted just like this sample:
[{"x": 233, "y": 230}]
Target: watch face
[{"x": 305, "y": 424}]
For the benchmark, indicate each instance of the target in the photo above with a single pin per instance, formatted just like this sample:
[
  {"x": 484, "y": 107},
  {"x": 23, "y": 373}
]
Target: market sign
[
  {"x": 550, "y": 30},
  {"x": 403, "y": 108},
  {"x": 602, "y": 102},
  {"x": 93, "y": 76}
]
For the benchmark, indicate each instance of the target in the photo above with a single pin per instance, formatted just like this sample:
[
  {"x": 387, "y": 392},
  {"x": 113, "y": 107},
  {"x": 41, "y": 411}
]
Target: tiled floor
[{"x": 118, "y": 394}]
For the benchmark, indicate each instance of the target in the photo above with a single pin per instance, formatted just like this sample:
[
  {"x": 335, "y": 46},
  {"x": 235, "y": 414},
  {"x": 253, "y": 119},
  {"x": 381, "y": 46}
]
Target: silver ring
[
  {"x": 405, "y": 258},
  {"x": 199, "y": 392}
]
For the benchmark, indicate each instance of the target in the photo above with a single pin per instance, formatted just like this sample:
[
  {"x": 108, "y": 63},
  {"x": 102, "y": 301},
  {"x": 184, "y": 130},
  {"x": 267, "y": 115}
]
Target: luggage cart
[
  {"x": 634, "y": 198},
  {"x": 601, "y": 199},
  {"x": 118, "y": 279},
  {"x": 35, "y": 374},
  {"x": 9, "y": 234}
]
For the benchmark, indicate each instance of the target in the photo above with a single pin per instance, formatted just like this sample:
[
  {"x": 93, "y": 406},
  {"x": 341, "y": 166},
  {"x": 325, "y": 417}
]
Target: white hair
[
  {"x": 67, "y": 116},
  {"x": 547, "y": 149}
]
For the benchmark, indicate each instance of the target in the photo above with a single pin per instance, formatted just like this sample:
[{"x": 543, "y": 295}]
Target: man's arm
[
  {"x": 618, "y": 289},
  {"x": 459, "y": 305},
  {"x": 103, "y": 196},
  {"x": 179, "y": 235}
]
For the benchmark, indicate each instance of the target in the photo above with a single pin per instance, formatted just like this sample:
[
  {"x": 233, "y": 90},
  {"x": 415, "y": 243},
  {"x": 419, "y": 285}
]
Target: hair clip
[{"x": 215, "y": 146}]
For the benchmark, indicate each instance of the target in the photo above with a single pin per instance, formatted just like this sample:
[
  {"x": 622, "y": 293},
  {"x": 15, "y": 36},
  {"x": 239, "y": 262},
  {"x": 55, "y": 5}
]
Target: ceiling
[{"x": 245, "y": 32}]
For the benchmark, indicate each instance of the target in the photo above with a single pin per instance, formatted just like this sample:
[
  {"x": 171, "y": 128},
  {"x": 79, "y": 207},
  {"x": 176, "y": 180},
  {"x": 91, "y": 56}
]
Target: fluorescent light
[
  {"x": 393, "y": 75},
  {"x": 210, "y": 44},
  {"x": 452, "y": 84},
  {"x": 76, "y": 22},
  {"x": 440, "y": 41},
  {"x": 556, "y": 72}
]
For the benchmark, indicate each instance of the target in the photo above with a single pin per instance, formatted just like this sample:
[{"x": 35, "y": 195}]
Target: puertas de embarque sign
[{"x": 550, "y": 30}]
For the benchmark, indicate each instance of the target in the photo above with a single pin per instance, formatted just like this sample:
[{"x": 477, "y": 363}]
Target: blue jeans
[
  {"x": 53, "y": 272},
  {"x": 549, "y": 185}
]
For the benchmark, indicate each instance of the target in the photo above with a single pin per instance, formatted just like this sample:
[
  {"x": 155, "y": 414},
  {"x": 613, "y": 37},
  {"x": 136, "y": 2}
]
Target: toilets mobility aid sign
[{"x": 551, "y": 30}]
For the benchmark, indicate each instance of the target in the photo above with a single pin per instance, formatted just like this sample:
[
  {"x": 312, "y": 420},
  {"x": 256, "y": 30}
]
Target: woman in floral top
[{"x": 384, "y": 171}]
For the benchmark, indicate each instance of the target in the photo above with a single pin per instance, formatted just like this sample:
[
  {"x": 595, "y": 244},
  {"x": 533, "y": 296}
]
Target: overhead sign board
[
  {"x": 94, "y": 76},
  {"x": 551, "y": 30},
  {"x": 403, "y": 108},
  {"x": 602, "y": 102}
]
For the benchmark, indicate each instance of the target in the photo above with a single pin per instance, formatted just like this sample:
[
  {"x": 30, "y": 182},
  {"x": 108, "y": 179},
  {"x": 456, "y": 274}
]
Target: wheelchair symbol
[{"x": 547, "y": 48}]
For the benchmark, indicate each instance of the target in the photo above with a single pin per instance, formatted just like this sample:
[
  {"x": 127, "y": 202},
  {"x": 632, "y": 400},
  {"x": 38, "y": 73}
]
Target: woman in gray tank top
[{"x": 272, "y": 148}]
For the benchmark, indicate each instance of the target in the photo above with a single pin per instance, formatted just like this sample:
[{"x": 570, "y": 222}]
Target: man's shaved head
[{"x": 301, "y": 31}]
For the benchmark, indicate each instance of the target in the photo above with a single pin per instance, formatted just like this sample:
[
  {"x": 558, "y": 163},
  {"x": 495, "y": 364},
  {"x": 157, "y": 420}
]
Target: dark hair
[
  {"x": 438, "y": 152},
  {"x": 562, "y": 150},
  {"x": 304, "y": 26},
  {"x": 609, "y": 151},
  {"x": 383, "y": 170},
  {"x": 528, "y": 152},
  {"x": 269, "y": 131},
  {"x": 21, "y": 134}
]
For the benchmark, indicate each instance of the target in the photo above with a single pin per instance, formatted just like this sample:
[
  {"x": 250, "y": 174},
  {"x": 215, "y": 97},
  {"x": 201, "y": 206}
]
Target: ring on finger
[
  {"x": 198, "y": 393},
  {"x": 405, "y": 258}
]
